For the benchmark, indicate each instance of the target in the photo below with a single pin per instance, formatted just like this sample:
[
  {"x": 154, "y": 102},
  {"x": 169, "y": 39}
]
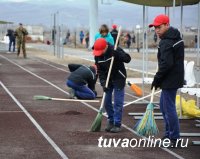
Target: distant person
[
  {"x": 195, "y": 41},
  {"x": 87, "y": 39},
  {"x": 48, "y": 42},
  {"x": 114, "y": 32},
  {"x": 11, "y": 35},
  {"x": 21, "y": 33},
  {"x": 67, "y": 36},
  {"x": 82, "y": 81},
  {"x": 81, "y": 35},
  {"x": 128, "y": 40},
  {"x": 104, "y": 33},
  {"x": 155, "y": 38},
  {"x": 133, "y": 38},
  {"x": 53, "y": 36}
]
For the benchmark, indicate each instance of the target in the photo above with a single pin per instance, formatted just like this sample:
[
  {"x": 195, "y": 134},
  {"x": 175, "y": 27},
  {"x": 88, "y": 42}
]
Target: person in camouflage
[{"x": 21, "y": 33}]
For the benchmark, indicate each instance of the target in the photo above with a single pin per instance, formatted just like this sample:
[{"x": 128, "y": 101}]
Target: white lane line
[
  {"x": 53, "y": 65},
  {"x": 104, "y": 114},
  {"x": 53, "y": 144},
  {"x": 35, "y": 75},
  {"x": 90, "y": 106},
  {"x": 11, "y": 111},
  {"x": 126, "y": 102}
]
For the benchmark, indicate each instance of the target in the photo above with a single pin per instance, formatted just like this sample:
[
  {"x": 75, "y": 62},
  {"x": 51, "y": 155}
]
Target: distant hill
[
  {"x": 75, "y": 15},
  {"x": 4, "y": 22}
]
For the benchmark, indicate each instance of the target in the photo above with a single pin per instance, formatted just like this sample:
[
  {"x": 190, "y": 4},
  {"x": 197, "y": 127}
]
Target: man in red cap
[
  {"x": 114, "y": 32},
  {"x": 103, "y": 52},
  {"x": 170, "y": 74}
]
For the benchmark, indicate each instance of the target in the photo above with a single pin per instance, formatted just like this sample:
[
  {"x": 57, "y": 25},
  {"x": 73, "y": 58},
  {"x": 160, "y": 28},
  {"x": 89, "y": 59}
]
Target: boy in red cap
[
  {"x": 170, "y": 74},
  {"x": 103, "y": 52}
]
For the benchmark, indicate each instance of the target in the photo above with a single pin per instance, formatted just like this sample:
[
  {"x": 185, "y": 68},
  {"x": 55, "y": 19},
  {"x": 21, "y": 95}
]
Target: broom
[
  {"x": 40, "y": 97},
  {"x": 147, "y": 125},
  {"x": 96, "y": 125},
  {"x": 135, "y": 88}
]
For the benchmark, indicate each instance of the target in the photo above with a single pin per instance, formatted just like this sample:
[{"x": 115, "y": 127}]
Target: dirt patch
[{"x": 71, "y": 112}]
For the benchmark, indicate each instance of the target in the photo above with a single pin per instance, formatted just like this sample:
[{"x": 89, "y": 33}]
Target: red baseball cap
[
  {"x": 99, "y": 46},
  {"x": 160, "y": 19},
  {"x": 114, "y": 26}
]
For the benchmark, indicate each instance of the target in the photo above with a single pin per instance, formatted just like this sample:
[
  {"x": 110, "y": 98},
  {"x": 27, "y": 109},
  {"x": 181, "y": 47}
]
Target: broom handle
[
  {"x": 110, "y": 68},
  {"x": 152, "y": 95},
  {"x": 112, "y": 59},
  {"x": 74, "y": 100},
  {"x": 153, "y": 90}
]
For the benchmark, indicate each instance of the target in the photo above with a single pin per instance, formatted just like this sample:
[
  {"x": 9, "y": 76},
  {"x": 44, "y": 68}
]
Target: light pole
[{"x": 138, "y": 37}]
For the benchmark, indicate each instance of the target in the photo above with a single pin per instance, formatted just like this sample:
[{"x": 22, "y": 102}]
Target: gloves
[
  {"x": 105, "y": 89},
  {"x": 156, "y": 83},
  {"x": 95, "y": 92},
  {"x": 115, "y": 53}
]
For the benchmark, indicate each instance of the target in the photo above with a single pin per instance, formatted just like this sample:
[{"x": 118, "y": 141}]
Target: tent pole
[
  {"x": 198, "y": 34},
  {"x": 173, "y": 16},
  {"x": 143, "y": 45},
  {"x": 93, "y": 21},
  {"x": 181, "y": 29},
  {"x": 146, "y": 42}
]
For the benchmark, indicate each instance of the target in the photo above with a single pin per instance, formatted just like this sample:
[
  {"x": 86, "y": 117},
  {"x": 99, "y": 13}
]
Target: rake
[
  {"x": 40, "y": 97},
  {"x": 96, "y": 125}
]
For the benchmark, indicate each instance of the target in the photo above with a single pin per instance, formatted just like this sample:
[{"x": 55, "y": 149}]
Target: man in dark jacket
[
  {"x": 11, "y": 35},
  {"x": 170, "y": 74},
  {"x": 103, "y": 52},
  {"x": 82, "y": 81}
]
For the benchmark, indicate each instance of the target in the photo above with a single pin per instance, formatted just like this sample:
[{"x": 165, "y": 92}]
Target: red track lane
[{"x": 67, "y": 124}]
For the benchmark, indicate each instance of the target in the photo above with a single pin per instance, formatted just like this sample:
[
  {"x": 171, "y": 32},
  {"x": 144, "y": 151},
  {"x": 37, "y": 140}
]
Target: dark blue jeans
[
  {"x": 168, "y": 109},
  {"x": 11, "y": 42},
  {"x": 114, "y": 111},
  {"x": 81, "y": 91}
]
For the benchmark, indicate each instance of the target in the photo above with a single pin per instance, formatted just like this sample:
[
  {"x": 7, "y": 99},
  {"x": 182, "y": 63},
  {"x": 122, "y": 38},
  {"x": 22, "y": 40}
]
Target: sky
[{"x": 75, "y": 13}]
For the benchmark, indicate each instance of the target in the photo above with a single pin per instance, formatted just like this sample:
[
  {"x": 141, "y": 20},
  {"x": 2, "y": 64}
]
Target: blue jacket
[{"x": 108, "y": 38}]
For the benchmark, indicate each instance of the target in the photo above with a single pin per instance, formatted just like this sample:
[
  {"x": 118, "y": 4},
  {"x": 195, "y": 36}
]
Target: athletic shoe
[
  {"x": 115, "y": 129},
  {"x": 109, "y": 126},
  {"x": 71, "y": 93},
  {"x": 175, "y": 143}
]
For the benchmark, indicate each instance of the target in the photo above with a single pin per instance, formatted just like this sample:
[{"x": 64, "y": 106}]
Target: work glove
[
  {"x": 116, "y": 54},
  {"x": 156, "y": 83},
  {"x": 105, "y": 89},
  {"x": 95, "y": 92}
]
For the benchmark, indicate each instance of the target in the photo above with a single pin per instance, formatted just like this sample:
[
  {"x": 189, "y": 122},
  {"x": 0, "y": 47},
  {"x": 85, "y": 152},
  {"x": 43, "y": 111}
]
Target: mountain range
[{"x": 75, "y": 13}]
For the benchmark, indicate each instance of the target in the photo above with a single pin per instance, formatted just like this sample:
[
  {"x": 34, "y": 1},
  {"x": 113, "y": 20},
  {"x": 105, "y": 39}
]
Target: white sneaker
[
  {"x": 8, "y": 52},
  {"x": 71, "y": 93}
]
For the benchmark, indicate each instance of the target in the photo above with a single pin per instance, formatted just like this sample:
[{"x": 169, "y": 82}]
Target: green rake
[{"x": 40, "y": 97}]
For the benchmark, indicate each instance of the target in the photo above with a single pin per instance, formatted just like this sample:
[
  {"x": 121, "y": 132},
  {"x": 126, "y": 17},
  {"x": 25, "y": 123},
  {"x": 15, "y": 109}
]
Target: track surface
[{"x": 56, "y": 129}]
